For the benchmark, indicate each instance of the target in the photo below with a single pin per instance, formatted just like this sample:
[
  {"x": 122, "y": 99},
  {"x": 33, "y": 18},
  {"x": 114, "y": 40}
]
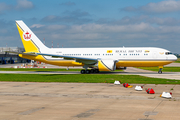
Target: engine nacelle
[{"x": 106, "y": 65}]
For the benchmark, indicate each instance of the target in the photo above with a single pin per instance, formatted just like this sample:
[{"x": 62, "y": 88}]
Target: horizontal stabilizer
[{"x": 30, "y": 53}]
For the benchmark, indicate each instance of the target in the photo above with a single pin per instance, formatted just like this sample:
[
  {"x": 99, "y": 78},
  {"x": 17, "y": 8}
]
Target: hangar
[{"x": 8, "y": 58}]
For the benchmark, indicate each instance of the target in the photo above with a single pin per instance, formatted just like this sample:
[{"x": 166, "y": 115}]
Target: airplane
[{"x": 92, "y": 60}]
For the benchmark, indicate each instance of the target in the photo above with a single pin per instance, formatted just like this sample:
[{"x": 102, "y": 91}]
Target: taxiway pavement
[
  {"x": 147, "y": 73},
  {"x": 128, "y": 71}
]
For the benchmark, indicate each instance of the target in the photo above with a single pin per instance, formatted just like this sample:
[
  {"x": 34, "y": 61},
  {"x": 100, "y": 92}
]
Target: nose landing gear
[{"x": 160, "y": 69}]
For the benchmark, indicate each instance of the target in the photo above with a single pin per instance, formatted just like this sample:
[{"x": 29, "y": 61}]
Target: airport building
[{"x": 9, "y": 58}]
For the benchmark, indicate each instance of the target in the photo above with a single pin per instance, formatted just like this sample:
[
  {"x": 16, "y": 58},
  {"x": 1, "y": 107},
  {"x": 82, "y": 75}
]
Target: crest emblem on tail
[{"x": 27, "y": 36}]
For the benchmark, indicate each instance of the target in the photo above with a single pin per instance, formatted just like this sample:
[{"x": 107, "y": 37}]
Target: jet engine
[{"x": 106, "y": 65}]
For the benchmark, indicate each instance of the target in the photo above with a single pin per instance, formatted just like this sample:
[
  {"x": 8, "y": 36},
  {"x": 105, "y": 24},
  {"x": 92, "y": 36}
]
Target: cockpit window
[{"x": 167, "y": 53}]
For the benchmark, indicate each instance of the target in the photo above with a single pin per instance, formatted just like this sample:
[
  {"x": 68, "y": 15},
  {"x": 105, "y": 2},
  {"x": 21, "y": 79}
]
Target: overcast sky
[{"x": 94, "y": 23}]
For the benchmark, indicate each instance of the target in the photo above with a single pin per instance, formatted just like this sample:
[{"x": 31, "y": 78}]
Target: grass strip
[
  {"x": 178, "y": 60},
  {"x": 37, "y": 69},
  {"x": 84, "y": 78},
  {"x": 165, "y": 69},
  {"x": 42, "y": 69}
]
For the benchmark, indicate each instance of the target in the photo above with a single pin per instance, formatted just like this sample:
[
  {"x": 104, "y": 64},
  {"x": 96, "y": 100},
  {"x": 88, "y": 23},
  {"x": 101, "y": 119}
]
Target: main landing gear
[{"x": 89, "y": 71}]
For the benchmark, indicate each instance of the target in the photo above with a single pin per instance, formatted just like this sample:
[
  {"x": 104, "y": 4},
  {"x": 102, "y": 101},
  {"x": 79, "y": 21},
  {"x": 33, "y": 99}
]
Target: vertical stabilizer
[{"x": 30, "y": 41}]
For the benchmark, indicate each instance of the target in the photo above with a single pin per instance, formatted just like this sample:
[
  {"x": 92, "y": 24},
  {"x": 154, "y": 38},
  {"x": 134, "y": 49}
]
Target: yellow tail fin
[{"x": 29, "y": 39}]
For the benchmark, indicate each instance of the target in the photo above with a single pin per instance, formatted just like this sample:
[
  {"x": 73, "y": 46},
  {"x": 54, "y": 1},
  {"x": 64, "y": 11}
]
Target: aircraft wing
[
  {"x": 33, "y": 54},
  {"x": 89, "y": 61}
]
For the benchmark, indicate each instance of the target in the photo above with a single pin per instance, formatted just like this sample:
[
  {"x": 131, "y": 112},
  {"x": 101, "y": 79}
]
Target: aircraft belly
[{"x": 142, "y": 63}]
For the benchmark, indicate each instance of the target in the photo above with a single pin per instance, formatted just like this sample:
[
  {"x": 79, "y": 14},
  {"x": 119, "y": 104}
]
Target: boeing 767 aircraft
[{"x": 93, "y": 60}]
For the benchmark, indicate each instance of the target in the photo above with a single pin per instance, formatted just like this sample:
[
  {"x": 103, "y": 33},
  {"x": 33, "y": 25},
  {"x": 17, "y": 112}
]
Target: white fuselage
[{"x": 129, "y": 53}]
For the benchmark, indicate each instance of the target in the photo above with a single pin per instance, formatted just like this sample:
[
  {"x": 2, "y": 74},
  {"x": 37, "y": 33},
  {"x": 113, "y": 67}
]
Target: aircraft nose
[
  {"x": 171, "y": 57},
  {"x": 174, "y": 58}
]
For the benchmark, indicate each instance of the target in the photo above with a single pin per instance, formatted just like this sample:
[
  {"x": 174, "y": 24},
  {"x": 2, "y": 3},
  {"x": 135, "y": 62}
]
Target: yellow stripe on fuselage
[
  {"x": 101, "y": 66},
  {"x": 142, "y": 63},
  {"x": 53, "y": 62}
]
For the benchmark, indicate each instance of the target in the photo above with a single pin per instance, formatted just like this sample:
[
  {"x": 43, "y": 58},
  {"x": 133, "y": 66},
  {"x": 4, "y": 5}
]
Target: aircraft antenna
[{"x": 44, "y": 41}]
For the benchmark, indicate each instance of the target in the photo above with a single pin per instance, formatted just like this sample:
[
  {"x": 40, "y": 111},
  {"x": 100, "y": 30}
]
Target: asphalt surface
[{"x": 86, "y": 101}]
